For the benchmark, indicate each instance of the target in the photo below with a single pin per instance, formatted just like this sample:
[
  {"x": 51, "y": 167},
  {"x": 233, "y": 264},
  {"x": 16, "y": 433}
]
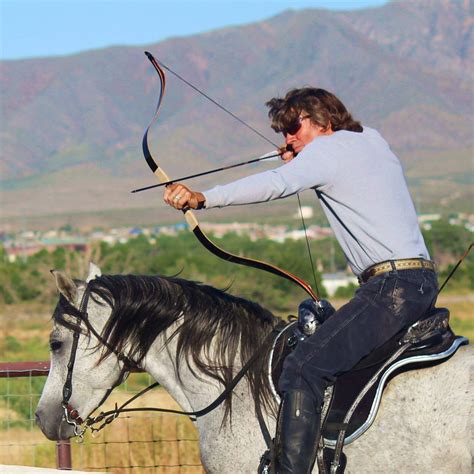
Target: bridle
[{"x": 72, "y": 416}]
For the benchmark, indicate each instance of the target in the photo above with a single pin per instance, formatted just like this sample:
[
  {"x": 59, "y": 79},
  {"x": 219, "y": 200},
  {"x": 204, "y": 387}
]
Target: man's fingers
[
  {"x": 181, "y": 199},
  {"x": 287, "y": 156},
  {"x": 177, "y": 195}
]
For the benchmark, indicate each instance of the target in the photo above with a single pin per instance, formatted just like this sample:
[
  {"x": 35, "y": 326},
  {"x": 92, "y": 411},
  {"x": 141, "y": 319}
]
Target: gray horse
[{"x": 192, "y": 339}]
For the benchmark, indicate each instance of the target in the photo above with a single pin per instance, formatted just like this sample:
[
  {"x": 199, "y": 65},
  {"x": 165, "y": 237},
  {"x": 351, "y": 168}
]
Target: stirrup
[{"x": 265, "y": 464}]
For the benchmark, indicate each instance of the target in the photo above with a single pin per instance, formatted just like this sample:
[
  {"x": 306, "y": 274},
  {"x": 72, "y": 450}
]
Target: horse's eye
[{"x": 55, "y": 345}]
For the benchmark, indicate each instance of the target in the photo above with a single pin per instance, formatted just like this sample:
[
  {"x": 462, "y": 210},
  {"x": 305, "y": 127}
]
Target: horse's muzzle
[{"x": 55, "y": 428}]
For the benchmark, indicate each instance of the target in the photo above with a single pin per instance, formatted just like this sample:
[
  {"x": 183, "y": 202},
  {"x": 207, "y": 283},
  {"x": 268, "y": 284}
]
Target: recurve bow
[{"x": 191, "y": 218}]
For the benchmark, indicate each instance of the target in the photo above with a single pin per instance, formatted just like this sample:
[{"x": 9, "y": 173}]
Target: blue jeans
[{"x": 380, "y": 308}]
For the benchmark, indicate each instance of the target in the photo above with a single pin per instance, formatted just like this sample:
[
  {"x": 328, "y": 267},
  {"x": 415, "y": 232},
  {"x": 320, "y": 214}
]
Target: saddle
[{"x": 351, "y": 404}]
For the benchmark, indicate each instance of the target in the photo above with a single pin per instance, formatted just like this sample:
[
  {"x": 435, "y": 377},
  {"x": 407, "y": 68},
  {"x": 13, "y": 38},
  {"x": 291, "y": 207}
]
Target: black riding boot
[{"x": 297, "y": 433}]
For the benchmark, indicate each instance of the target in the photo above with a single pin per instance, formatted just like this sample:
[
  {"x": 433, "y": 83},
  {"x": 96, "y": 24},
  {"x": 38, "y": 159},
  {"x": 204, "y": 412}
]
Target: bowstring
[{"x": 308, "y": 246}]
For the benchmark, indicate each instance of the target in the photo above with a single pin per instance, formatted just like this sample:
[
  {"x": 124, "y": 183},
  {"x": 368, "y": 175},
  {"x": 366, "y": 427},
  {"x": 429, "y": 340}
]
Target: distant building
[
  {"x": 333, "y": 281},
  {"x": 307, "y": 212},
  {"x": 25, "y": 250},
  {"x": 429, "y": 217},
  {"x": 14, "y": 253}
]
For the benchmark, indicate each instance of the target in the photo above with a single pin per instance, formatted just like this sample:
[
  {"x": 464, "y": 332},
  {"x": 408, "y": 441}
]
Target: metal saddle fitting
[
  {"x": 310, "y": 316},
  {"x": 433, "y": 324},
  {"x": 265, "y": 464}
]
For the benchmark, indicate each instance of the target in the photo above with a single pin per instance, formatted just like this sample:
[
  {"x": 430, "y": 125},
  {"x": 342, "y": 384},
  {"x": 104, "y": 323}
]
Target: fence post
[{"x": 63, "y": 455}]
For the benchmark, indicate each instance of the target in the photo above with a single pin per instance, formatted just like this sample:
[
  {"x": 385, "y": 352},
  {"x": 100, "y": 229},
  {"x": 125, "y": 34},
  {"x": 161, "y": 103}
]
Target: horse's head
[{"x": 79, "y": 380}]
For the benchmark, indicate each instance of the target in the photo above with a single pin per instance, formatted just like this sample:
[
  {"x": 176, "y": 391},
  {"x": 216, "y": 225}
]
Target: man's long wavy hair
[{"x": 323, "y": 108}]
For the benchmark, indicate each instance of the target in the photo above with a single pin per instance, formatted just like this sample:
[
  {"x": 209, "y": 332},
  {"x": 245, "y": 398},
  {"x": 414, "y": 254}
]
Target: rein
[
  {"x": 71, "y": 415},
  {"x": 111, "y": 415}
]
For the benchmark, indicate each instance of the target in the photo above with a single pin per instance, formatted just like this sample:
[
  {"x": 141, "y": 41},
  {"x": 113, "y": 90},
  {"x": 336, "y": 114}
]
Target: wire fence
[{"x": 141, "y": 443}]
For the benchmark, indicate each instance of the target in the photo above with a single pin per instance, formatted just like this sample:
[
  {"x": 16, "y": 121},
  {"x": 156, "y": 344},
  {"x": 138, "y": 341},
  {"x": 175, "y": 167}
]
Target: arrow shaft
[{"x": 203, "y": 173}]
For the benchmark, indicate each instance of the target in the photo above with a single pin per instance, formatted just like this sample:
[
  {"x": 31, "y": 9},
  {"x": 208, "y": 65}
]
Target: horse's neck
[
  {"x": 191, "y": 392},
  {"x": 195, "y": 393}
]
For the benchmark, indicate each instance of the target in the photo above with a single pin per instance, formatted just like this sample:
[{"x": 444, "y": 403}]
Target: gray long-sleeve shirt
[{"x": 362, "y": 181}]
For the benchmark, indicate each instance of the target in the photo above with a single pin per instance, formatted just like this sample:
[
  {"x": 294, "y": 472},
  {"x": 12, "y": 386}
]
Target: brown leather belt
[{"x": 389, "y": 265}]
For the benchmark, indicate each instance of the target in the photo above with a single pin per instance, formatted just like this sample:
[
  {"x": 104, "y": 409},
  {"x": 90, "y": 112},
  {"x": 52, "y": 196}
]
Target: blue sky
[{"x": 48, "y": 28}]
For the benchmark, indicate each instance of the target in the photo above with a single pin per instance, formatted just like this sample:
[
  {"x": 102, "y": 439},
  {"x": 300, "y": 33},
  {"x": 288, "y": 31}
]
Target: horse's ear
[
  {"x": 66, "y": 286},
  {"x": 94, "y": 272}
]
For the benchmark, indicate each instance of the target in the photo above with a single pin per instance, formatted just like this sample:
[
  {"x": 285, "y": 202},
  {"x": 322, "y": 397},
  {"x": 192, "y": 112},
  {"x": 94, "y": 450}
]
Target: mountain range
[{"x": 71, "y": 127}]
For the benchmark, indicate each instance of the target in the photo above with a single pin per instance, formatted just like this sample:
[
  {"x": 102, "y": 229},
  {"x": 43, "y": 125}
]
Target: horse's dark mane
[{"x": 145, "y": 306}]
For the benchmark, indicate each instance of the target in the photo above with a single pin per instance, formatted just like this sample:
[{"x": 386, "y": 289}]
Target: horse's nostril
[{"x": 38, "y": 418}]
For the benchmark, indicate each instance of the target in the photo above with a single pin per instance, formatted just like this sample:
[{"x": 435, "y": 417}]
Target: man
[{"x": 362, "y": 188}]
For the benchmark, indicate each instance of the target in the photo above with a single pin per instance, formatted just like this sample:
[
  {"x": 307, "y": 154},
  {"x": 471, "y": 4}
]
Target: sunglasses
[{"x": 294, "y": 127}]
